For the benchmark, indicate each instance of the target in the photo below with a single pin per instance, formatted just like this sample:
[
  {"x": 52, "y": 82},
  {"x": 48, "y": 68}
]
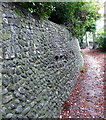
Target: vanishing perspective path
[{"x": 87, "y": 97}]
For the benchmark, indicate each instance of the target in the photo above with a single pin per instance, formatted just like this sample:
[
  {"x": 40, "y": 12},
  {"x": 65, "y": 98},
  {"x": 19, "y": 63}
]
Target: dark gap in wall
[
  {"x": 61, "y": 56},
  {"x": 56, "y": 57}
]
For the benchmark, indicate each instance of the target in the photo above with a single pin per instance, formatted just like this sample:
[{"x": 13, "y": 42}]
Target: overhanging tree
[{"x": 78, "y": 17}]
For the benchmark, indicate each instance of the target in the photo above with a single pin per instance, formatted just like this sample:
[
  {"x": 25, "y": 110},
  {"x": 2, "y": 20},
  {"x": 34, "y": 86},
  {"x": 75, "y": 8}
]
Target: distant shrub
[
  {"x": 81, "y": 51},
  {"x": 83, "y": 68},
  {"x": 101, "y": 40}
]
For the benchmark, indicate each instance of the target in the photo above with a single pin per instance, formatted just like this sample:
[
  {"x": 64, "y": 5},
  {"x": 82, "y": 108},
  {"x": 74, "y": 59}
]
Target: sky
[{"x": 100, "y": 22}]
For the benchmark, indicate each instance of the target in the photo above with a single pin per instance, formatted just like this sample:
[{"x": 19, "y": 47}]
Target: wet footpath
[{"x": 87, "y": 97}]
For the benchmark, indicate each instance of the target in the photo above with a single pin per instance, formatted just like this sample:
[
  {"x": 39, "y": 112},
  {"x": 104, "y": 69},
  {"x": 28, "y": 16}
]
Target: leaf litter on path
[{"x": 87, "y": 98}]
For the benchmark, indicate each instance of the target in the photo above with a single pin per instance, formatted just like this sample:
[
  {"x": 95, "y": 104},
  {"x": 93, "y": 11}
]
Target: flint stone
[
  {"x": 10, "y": 115},
  {"x": 23, "y": 104},
  {"x": 20, "y": 116},
  {"x": 5, "y": 91},
  {"x": 32, "y": 104},
  {"x": 10, "y": 88},
  {"x": 21, "y": 90},
  {"x": 17, "y": 101},
  {"x": 26, "y": 110},
  {"x": 12, "y": 106},
  {"x": 7, "y": 99},
  {"x": 18, "y": 109},
  {"x": 5, "y": 20}
]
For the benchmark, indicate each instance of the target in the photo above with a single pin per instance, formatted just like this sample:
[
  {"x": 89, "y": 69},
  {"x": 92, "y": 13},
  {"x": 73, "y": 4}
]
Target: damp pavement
[{"x": 87, "y": 97}]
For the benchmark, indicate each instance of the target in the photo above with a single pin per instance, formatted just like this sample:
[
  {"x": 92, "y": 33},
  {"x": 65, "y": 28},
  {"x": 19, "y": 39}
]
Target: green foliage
[
  {"x": 82, "y": 51},
  {"x": 83, "y": 68},
  {"x": 18, "y": 12},
  {"x": 101, "y": 39},
  {"x": 78, "y": 17},
  {"x": 41, "y": 9}
]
